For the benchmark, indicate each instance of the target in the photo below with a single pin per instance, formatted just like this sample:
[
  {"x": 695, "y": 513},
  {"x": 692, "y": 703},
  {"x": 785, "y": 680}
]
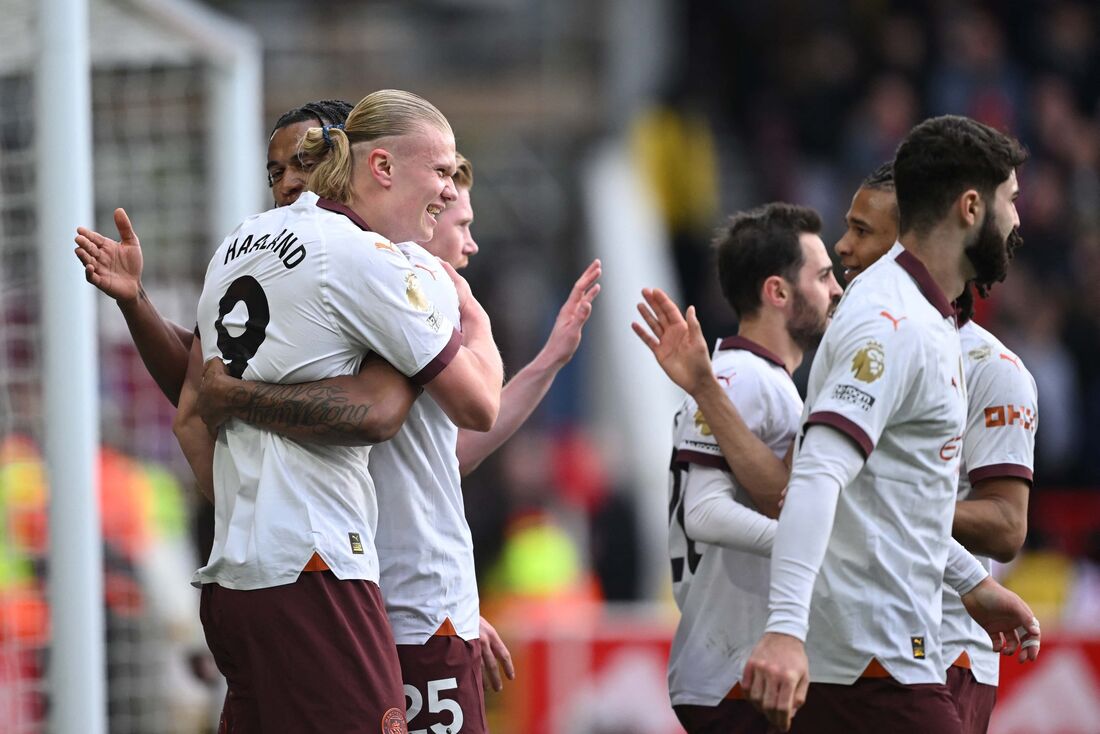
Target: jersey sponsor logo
[
  {"x": 855, "y": 396},
  {"x": 951, "y": 448},
  {"x": 356, "y": 543},
  {"x": 435, "y": 321},
  {"x": 979, "y": 353},
  {"x": 414, "y": 294},
  {"x": 701, "y": 424},
  {"x": 393, "y": 722},
  {"x": 892, "y": 320},
  {"x": 1011, "y": 358},
  {"x": 997, "y": 416},
  {"x": 869, "y": 363},
  {"x": 918, "y": 647}
]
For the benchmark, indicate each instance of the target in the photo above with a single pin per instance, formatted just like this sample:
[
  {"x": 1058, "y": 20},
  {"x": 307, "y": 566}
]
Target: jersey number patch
[
  {"x": 436, "y": 704},
  {"x": 237, "y": 350},
  {"x": 676, "y": 514}
]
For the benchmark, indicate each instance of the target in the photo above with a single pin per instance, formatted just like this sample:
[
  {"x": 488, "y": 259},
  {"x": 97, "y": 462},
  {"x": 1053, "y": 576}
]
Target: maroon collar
[
  {"x": 740, "y": 342},
  {"x": 912, "y": 265},
  {"x": 335, "y": 206}
]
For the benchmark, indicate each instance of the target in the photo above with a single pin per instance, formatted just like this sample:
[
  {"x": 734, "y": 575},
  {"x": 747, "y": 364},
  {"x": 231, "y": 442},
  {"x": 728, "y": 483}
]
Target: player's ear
[
  {"x": 380, "y": 163},
  {"x": 775, "y": 291},
  {"x": 969, "y": 205}
]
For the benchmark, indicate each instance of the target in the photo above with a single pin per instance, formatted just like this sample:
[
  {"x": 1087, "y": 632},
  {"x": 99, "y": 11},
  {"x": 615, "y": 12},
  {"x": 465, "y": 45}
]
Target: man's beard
[
  {"x": 989, "y": 254},
  {"x": 806, "y": 326}
]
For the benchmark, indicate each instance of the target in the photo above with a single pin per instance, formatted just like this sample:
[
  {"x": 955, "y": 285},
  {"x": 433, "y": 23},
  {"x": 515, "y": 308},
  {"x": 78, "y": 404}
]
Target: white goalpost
[{"x": 155, "y": 106}]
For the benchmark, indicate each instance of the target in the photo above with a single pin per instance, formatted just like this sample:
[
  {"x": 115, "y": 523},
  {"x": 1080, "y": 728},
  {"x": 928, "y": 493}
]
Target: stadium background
[{"x": 622, "y": 129}]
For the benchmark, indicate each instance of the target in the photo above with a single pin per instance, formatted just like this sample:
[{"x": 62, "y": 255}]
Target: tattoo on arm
[{"x": 318, "y": 409}]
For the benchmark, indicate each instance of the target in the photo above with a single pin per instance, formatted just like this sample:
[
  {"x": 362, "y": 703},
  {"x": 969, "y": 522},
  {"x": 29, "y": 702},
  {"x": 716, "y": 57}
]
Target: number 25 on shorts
[{"x": 436, "y": 704}]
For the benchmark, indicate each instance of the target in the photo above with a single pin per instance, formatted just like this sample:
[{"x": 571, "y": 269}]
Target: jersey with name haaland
[
  {"x": 722, "y": 592},
  {"x": 424, "y": 543},
  {"x": 888, "y": 375},
  {"x": 999, "y": 442},
  {"x": 298, "y": 294}
]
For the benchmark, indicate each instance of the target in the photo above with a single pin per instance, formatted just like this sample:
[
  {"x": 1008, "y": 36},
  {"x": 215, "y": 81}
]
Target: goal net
[{"x": 159, "y": 77}]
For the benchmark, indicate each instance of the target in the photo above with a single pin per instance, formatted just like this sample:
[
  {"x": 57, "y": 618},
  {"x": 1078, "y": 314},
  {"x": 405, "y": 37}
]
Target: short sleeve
[
  {"x": 376, "y": 299},
  {"x": 697, "y": 444},
  {"x": 867, "y": 362},
  {"x": 1000, "y": 429}
]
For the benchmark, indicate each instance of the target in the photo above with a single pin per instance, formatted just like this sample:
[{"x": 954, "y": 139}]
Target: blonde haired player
[
  {"x": 424, "y": 545},
  {"x": 300, "y": 293}
]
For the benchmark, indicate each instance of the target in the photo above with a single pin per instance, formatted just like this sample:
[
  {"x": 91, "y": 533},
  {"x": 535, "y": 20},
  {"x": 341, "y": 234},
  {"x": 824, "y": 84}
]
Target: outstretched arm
[
  {"x": 194, "y": 438},
  {"x": 526, "y": 390},
  {"x": 114, "y": 267},
  {"x": 352, "y": 410},
  {"x": 681, "y": 351}
]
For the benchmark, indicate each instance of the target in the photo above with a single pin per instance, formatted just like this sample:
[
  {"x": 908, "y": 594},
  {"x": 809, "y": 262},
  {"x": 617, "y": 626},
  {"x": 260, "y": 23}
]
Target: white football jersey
[
  {"x": 298, "y": 294},
  {"x": 424, "y": 543},
  {"x": 999, "y": 441},
  {"x": 722, "y": 592},
  {"x": 889, "y": 375}
]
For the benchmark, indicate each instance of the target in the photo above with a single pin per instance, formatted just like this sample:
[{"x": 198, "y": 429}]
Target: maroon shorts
[
  {"x": 316, "y": 655},
  {"x": 875, "y": 706},
  {"x": 728, "y": 717},
  {"x": 443, "y": 685},
  {"x": 973, "y": 700}
]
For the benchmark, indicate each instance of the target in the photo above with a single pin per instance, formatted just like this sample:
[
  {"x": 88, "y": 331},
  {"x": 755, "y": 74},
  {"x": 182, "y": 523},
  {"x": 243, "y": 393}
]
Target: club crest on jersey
[
  {"x": 918, "y": 647},
  {"x": 869, "y": 362},
  {"x": 393, "y": 722},
  {"x": 416, "y": 296},
  {"x": 701, "y": 424},
  {"x": 356, "y": 543}
]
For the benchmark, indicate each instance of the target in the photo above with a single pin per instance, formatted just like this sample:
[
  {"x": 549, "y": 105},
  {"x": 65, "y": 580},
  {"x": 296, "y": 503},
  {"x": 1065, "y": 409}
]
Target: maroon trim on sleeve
[
  {"x": 910, "y": 264},
  {"x": 1000, "y": 471},
  {"x": 740, "y": 342},
  {"x": 845, "y": 426},
  {"x": 441, "y": 360},
  {"x": 698, "y": 457},
  {"x": 335, "y": 206}
]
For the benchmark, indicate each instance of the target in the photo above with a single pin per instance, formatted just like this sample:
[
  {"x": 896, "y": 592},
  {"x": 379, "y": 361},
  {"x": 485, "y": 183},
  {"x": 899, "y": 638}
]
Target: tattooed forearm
[{"x": 309, "y": 410}]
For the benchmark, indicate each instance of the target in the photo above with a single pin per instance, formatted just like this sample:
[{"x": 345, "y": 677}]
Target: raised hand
[
  {"x": 463, "y": 288},
  {"x": 1006, "y": 617},
  {"x": 676, "y": 342},
  {"x": 492, "y": 650},
  {"x": 113, "y": 267},
  {"x": 565, "y": 337}
]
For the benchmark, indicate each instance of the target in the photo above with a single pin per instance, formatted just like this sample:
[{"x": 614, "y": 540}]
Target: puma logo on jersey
[
  {"x": 356, "y": 543},
  {"x": 726, "y": 379},
  {"x": 425, "y": 268},
  {"x": 893, "y": 321},
  {"x": 387, "y": 246},
  {"x": 1012, "y": 359},
  {"x": 918, "y": 647}
]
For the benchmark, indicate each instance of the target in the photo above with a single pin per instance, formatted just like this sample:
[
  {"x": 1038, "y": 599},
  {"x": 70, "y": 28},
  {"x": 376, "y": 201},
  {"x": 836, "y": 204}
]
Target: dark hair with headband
[{"x": 324, "y": 111}]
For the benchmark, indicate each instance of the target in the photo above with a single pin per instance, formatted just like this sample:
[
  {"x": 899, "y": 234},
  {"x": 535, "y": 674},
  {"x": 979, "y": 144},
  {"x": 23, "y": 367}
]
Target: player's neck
[
  {"x": 940, "y": 250},
  {"x": 771, "y": 333}
]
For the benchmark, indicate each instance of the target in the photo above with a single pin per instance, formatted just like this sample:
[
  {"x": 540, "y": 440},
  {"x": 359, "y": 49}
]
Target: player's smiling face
[
  {"x": 815, "y": 295},
  {"x": 424, "y": 163},
  {"x": 287, "y": 173},
  {"x": 453, "y": 242},
  {"x": 990, "y": 248},
  {"x": 872, "y": 222}
]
